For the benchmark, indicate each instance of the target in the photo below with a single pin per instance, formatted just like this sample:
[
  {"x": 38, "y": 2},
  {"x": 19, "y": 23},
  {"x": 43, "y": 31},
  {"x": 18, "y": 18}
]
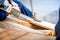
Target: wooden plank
[
  {"x": 15, "y": 35},
  {"x": 18, "y": 27},
  {"x": 32, "y": 36},
  {"x": 3, "y": 35},
  {"x": 42, "y": 24},
  {"x": 7, "y": 33},
  {"x": 2, "y": 30}
]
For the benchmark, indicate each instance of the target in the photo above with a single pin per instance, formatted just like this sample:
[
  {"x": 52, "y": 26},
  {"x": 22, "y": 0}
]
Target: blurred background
[{"x": 46, "y": 10}]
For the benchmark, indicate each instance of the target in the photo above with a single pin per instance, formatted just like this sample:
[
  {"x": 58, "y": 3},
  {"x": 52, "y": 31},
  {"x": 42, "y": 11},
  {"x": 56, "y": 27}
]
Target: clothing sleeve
[
  {"x": 57, "y": 28},
  {"x": 23, "y": 9},
  {"x": 2, "y": 1},
  {"x": 3, "y": 15}
]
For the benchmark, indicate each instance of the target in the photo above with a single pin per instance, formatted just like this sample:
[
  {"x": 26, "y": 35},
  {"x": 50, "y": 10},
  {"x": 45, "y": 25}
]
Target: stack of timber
[{"x": 13, "y": 29}]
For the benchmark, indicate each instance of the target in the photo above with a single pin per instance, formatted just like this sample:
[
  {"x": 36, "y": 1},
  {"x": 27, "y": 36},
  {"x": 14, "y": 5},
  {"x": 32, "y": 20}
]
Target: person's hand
[
  {"x": 34, "y": 15},
  {"x": 36, "y": 19}
]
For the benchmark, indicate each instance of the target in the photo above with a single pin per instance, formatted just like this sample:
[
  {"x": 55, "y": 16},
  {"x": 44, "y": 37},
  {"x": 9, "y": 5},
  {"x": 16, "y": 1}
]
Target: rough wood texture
[
  {"x": 10, "y": 30},
  {"x": 42, "y": 24},
  {"x": 11, "y": 34},
  {"x": 6, "y": 34}
]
